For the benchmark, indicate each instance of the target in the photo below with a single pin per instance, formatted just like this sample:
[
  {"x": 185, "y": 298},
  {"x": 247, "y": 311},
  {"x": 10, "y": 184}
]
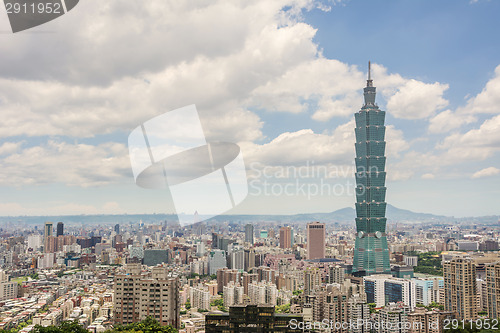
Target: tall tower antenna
[{"x": 369, "y": 70}]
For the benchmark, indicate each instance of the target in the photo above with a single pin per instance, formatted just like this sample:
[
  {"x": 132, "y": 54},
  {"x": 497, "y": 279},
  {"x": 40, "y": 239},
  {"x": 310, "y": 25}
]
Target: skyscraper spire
[
  {"x": 369, "y": 91},
  {"x": 369, "y": 83}
]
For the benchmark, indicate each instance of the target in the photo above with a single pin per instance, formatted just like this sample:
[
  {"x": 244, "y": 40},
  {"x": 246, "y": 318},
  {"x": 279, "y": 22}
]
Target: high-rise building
[
  {"x": 493, "y": 290},
  {"x": 249, "y": 233},
  {"x": 117, "y": 228},
  {"x": 138, "y": 296},
  {"x": 384, "y": 289},
  {"x": 216, "y": 261},
  {"x": 371, "y": 254},
  {"x": 199, "y": 297},
  {"x": 8, "y": 289},
  {"x": 285, "y": 237},
  {"x": 336, "y": 274},
  {"x": 48, "y": 230},
  {"x": 460, "y": 287},
  {"x": 60, "y": 229},
  {"x": 359, "y": 313},
  {"x": 312, "y": 280},
  {"x": 315, "y": 240}
]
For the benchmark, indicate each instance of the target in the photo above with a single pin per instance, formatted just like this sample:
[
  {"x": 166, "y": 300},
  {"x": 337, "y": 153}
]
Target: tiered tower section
[{"x": 371, "y": 254}]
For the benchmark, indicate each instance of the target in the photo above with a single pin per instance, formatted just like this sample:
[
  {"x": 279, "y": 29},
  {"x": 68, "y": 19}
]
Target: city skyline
[{"x": 282, "y": 80}]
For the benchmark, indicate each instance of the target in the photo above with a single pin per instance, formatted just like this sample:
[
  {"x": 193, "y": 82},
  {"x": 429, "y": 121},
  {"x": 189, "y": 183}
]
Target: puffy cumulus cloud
[
  {"x": 428, "y": 176},
  {"x": 417, "y": 100},
  {"x": 101, "y": 42},
  {"x": 448, "y": 120},
  {"x": 298, "y": 148},
  {"x": 488, "y": 99},
  {"x": 475, "y": 144},
  {"x": 219, "y": 54},
  {"x": 487, "y": 172},
  {"x": 72, "y": 164},
  {"x": 409, "y": 98},
  {"x": 330, "y": 87},
  {"x": 9, "y": 147},
  {"x": 485, "y": 102}
]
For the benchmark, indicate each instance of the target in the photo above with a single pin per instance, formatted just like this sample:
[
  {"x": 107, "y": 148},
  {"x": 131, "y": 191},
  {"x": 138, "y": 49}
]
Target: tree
[
  {"x": 64, "y": 327},
  {"x": 217, "y": 302},
  {"x": 148, "y": 325},
  {"x": 188, "y": 305}
]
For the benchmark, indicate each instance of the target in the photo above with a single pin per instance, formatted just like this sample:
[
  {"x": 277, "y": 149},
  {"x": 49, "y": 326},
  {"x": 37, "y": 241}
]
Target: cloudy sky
[{"x": 281, "y": 78}]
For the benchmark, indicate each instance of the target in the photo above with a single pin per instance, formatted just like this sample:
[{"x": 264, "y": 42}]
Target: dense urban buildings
[
  {"x": 371, "y": 254},
  {"x": 249, "y": 274}
]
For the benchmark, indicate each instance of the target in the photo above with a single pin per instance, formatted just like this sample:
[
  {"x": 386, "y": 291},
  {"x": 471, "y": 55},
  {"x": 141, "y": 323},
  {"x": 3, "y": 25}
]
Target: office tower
[
  {"x": 155, "y": 295},
  {"x": 460, "y": 287},
  {"x": 312, "y": 280},
  {"x": 216, "y": 261},
  {"x": 285, "y": 237},
  {"x": 336, "y": 274},
  {"x": 60, "y": 229},
  {"x": 315, "y": 240},
  {"x": 384, "y": 289},
  {"x": 47, "y": 231},
  {"x": 371, "y": 254},
  {"x": 117, "y": 228},
  {"x": 249, "y": 233},
  {"x": 249, "y": 259},
  {"x": 252, "y": 318}
]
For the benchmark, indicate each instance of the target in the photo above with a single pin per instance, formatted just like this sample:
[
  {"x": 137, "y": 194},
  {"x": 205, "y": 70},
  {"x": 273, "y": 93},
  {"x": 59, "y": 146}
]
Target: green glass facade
[{"x": 371, "y": 254}]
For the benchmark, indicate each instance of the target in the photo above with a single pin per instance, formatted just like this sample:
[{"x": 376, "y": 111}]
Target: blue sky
[{"x": 281, "y": 79}]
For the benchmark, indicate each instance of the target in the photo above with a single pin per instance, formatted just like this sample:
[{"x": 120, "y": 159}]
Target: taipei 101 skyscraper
[{"x": 371, "y": 254}]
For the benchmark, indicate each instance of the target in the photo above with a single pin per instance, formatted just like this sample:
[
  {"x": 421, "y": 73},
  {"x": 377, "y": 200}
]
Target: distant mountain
[{"x": 342, "y": 216}]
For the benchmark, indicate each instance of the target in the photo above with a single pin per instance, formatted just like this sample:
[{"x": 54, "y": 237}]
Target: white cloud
[
  {"x": 330, "y": 87},
  {"x": 297, "y": 148},
  {"x": 448, "y": 120},
  {"x": 487, "y": 172},
  {"x": 9, "y": 147},
  {"x": 476, "y": 144},
  {"x": 428, "y": 176},
  {"x": 417, "y": 100},
  {"x": 72, "y": 164},
  {"x": 488, "y": 99}
]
